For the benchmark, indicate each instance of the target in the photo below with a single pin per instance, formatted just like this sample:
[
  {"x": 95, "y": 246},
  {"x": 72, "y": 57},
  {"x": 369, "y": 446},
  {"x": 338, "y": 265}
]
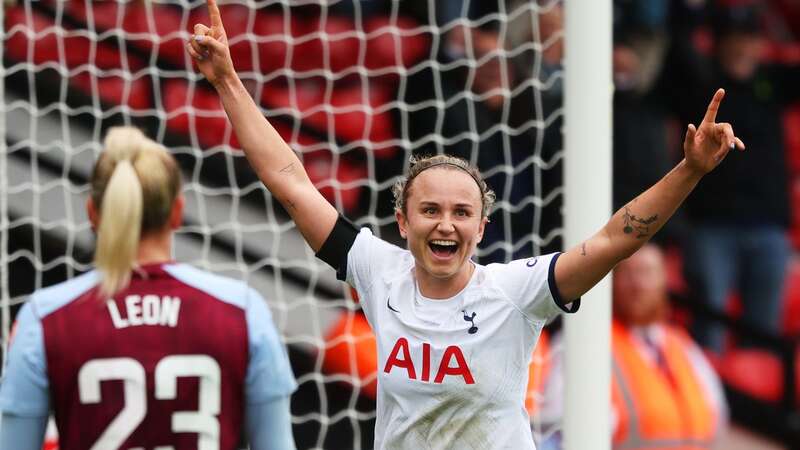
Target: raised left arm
[{"x": 583, "y": 266}]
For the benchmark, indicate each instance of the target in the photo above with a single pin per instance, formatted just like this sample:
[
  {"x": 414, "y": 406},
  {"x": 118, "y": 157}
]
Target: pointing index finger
[
  {"x": 213, "y": 13},
  {"x": 713, "y": 107}
]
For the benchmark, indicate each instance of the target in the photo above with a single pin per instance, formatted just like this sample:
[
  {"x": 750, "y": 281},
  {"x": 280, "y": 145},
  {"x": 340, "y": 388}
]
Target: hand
[
  {"x": 209, "y": 48},
  {"x": 705, "y": 147}
]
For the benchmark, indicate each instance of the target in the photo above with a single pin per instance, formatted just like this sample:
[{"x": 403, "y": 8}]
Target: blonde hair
[
  {"x": 418, "y": 164},
  {"x": 134, "y": 185}
]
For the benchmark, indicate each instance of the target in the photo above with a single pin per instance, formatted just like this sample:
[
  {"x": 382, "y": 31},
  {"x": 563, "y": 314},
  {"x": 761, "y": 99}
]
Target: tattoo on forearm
[
  {"x": 640, "y": 225},
  {"x": 288, "y": 169},
  {"x": 583, "y": 249},
  {"x": 292, "y": 205}
]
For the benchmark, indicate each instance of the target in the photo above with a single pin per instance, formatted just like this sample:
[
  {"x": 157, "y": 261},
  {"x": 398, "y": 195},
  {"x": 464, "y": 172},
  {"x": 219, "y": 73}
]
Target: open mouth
[{"x": 443, "y": 248}]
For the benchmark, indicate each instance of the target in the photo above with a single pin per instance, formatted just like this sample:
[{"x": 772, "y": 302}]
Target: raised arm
[
  {"x": 274, "y": 162},
  {"x": 580, "y": 268}
]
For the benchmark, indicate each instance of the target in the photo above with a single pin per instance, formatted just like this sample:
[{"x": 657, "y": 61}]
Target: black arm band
[{"x": 337, "y": 245}]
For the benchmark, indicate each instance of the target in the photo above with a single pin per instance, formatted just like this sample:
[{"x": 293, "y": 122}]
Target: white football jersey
[{"x": 452, "y": 373}]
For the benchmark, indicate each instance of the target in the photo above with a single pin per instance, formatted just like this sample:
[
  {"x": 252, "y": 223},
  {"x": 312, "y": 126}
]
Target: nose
[{"x": 445, "y": 225}]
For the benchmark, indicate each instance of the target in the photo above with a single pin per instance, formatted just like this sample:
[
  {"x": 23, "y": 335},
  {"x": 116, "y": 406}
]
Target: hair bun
[{"x": 124, "y": 143}]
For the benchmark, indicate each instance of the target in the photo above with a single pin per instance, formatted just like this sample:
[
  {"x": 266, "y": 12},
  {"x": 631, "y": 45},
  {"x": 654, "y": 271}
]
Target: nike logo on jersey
[
  {"x": 532, "y": 262},
  {"x": 388, "y": 305}
]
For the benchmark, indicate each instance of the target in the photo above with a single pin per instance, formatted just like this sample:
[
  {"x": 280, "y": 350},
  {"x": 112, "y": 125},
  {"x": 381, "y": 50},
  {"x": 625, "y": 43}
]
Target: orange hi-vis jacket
[{"x": 659, "y": 407}]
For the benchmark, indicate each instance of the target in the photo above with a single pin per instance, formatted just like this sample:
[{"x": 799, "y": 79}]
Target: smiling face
[{"x": 443, "y": 224}]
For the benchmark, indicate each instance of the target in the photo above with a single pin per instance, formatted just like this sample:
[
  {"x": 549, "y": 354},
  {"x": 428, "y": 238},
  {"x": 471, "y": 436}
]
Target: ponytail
[
  {"x": 134, "y": 184},
  {"x": 119, "y": 230}
]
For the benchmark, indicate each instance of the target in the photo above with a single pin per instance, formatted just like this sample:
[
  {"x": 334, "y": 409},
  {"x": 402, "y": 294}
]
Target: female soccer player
[
  {"x": 144, "y": 352},
  {"x": 454, "y": 337}
]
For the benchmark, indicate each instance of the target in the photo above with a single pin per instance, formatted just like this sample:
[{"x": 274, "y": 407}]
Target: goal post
[{"x": 587, "y": 207}]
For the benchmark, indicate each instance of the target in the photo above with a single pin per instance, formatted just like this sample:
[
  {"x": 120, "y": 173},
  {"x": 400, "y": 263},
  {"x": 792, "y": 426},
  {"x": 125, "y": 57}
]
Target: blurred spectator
[
  {"x": 664, "y": 393},
  {"x": 740, "y": 213},
  {"x": 641, "y": 153}
]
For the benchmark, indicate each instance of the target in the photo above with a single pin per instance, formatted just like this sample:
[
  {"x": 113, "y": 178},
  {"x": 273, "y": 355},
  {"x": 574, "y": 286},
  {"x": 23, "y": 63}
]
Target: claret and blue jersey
[{"x": 172, "y": 360}]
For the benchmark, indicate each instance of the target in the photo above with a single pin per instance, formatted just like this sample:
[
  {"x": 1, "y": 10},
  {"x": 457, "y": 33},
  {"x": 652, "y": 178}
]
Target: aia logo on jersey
[{"x": 400, "y": 357}]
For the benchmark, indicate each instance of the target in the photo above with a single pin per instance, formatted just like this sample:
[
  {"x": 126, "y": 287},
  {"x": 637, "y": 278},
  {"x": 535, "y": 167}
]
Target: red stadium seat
[
  {"x": 791, "y": 303},
  {"x": 273, "y": 47},
  {"x": 204, "y": 116},
  {"x": 791, "y": 127},
  {"x": 794, "y": 229},
  {"x": 102, "y": 15},
  {"x": 162, "y": 29},
  {"x": 342, "y": 44},
  {"x": 757, "y": 373},
  {"x": 394, "y": 45},
  {"x": 45, "y": 43},
  {"x": 351, "y": 119},
  {"x": 111, "y": 88},
  {"x": 321, "y": 171}
]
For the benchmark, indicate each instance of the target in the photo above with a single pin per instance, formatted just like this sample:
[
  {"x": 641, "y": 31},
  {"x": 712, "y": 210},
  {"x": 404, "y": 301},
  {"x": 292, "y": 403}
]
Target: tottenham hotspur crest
[{"x": 473, "y": 329}]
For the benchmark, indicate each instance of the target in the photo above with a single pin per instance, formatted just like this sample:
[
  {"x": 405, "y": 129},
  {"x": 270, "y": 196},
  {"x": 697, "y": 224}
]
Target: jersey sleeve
[
  {"x": 531, "y": 286},
  {"x": 269, "y": 374},
  {"x": 369, "y": 259},
  {"x": 25, "y": 388},
  {"x": 22, "y": 433}
]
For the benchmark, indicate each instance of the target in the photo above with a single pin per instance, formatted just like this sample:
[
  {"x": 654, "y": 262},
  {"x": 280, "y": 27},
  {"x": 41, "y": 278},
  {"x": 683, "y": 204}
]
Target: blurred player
[
  {"x": 144, "y": 352},
  {"x": 454, "y": 337}
]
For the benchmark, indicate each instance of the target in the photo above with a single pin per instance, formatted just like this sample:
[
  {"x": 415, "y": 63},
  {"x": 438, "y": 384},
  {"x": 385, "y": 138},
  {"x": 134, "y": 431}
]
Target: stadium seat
[
  {"x": 203, "y": 117},
  {"x": 110, "y": 87},
  {"x": 352, "y": 119},
  {"x": 757, "y": 373},
  {"x": 161, "y": 34},
  {"x": 98, "y": 15},
  {"x": 794, "y": 230},
  {"x": 791, "y": 127},
  {"x": 791, "y": 303},
  {"x": 321, "y": 171},
  {"x": 397, "y": 44},
  {"x": 273, "y": 46},
  {"x": 18, "y": 25}
]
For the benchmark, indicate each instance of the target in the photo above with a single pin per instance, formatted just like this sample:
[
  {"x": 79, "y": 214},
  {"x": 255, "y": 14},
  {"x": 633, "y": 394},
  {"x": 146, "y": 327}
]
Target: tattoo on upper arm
[
  {"x": 583, "y": 249},
  {"x": 292, "y": 205},
  {"x": 288, "y": 169},
  {"x": 640, "y": 225}
]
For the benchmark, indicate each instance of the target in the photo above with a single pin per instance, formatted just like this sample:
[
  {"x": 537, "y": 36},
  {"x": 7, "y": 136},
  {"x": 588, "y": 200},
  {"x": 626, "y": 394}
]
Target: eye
[
  {"x": 429, "y": 210},
  {"x": 462, "y": 212}
]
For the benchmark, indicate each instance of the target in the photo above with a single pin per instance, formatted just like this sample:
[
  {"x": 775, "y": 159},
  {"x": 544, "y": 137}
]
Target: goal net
[{"x": 356, "y": 87}]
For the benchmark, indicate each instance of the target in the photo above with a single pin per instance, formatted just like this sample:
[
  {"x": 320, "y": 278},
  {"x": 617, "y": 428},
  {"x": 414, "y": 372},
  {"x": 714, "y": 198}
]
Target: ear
[
  {"x": 402, "y": 223},
  {"x": 176, "y": 215},
  {"x": 91, "y": 211},
  {"x": 482, "y": 227}
]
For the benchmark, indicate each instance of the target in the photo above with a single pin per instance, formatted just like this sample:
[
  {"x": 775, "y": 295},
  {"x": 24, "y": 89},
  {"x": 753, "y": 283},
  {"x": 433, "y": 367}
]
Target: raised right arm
[{"x": 272, "y": 159}]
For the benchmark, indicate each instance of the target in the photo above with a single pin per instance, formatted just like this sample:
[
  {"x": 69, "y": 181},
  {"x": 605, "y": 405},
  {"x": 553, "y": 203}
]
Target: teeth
[{"x": 443, "y": 243}]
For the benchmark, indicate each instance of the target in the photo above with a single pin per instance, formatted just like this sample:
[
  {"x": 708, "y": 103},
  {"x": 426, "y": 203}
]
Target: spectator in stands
[
  {"x": 663, "y": 388},
  {"x": 739, "y": 214},
  {"x": 642, "y": 154}
]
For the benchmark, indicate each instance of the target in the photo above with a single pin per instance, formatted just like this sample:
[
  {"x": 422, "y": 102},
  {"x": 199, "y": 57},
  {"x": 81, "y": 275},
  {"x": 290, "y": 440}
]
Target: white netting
[{"x": 355, "y": 86}]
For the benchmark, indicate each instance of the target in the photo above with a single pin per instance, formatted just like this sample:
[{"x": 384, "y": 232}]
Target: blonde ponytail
[
  {"x": 119, "y": 230},
  {"x": 134, "y": 184}
]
